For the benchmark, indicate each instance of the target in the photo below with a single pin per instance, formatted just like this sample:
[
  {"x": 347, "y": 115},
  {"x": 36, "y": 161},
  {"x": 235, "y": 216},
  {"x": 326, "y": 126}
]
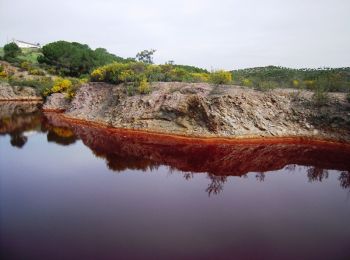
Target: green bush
[
  {"x": 267, "y": 85},
  {"x": 334, "y": 79},
  {"x": 11, "y": 51},
  {"x": 220, "y": 77}
]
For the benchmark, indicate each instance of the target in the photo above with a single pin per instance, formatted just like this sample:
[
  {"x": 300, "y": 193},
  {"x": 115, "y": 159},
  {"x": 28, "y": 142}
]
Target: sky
[{"x": 220, "y": 34}]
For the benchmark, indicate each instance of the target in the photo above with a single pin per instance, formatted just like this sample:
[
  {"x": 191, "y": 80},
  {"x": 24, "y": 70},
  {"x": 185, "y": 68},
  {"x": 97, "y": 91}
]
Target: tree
[
  {"x": 11, "y": 51},
  {"x": 146, "y": 56},
  {"x": 75, "y": 59}
]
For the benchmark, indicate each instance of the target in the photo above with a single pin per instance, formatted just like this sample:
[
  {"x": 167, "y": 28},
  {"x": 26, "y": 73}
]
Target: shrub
[
  {"x": 144, "y": 87},
  {"x": 247, "y": 83},
  {"x": 61, "y": 85},
  {"x": 25, "y": 65},
  {"x": 267, "y": 85},
  {"x": 220, "y": 77},
  {"x": 11, "y": 51},
  {"x": 41, "y": 85},
  {"x": 320, "y": 96},
  {"x": 199, "y": 77},
  {"x": 98, "y": 74},
  {"x": 36, "y": 72},
  {"x": 3, "y": 74}
]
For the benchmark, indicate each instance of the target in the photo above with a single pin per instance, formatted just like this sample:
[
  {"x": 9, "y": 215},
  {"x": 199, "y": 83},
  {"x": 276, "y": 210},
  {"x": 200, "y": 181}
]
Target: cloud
[{"x": 212, "y": 34}]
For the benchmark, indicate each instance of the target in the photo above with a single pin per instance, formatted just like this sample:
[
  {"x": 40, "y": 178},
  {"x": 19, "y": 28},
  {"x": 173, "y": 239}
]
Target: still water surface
[{"x": 70, "y": 191}]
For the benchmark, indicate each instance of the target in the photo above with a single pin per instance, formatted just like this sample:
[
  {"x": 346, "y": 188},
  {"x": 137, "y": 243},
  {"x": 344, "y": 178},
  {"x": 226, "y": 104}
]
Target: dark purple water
[{"x": 79, "y": 192}]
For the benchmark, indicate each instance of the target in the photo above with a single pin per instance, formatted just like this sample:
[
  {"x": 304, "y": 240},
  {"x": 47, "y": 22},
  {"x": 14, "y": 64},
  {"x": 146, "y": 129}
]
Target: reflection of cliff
[
  {"x": 17, "y": 118},
  {"x": 140, "y": 151}
]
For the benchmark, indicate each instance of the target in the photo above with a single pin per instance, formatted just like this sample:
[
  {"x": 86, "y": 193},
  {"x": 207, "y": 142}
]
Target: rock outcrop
[
  {"x": 17, "y": 93},
  {"x": 56, "y": 102},
  {"x": 203, "y": 110}
]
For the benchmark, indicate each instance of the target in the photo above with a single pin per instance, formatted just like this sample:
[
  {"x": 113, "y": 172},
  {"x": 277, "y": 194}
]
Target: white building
[{"x": 23, "y": 44}]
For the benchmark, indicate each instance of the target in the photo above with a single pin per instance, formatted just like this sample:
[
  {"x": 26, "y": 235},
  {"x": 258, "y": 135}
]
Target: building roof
[{"x": 34, "y": 44}]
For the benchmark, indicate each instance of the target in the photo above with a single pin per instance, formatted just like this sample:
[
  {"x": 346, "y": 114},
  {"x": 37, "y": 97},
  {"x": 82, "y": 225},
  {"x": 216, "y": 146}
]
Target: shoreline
[{"x": 201, "y": 139}]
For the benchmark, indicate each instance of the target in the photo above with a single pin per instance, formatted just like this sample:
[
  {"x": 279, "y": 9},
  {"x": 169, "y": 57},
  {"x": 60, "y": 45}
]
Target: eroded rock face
[
  {"x": 212, "y": 111},
  {"x": 56, "y": 102},
  {"x": 13, "y": 93}
]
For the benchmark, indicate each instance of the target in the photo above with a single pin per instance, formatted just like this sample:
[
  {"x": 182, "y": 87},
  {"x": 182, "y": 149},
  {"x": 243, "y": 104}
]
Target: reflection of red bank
[{"x": 223, "y": 157}]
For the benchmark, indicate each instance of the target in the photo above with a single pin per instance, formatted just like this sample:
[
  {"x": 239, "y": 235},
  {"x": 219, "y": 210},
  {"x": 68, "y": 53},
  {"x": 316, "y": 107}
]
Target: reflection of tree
[
  {"x": 344, "y": 179},
  {"x": 260, "y": 176},
  {"x": 216, "y": 185},
  {"x": 316, "y": 174},
  {"x": 290, "y": 167},
  {"x": 188, "y": 175},
  {"x": 18, "y": 140}
]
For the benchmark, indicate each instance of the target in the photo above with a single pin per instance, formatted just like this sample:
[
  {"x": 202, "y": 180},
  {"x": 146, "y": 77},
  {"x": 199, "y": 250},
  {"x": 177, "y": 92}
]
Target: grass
[{"x": 30, "y": 55}]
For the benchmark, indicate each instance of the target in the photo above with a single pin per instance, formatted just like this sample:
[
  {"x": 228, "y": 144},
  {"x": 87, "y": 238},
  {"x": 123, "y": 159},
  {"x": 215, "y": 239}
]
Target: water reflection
[
  {"x": 17, "y": 118},
  {"x": 125, "y": 150}
]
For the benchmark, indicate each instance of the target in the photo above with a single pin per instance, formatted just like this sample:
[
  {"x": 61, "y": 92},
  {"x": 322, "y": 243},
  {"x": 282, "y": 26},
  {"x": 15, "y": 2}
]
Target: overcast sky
[{"x": 220, "y": 34}]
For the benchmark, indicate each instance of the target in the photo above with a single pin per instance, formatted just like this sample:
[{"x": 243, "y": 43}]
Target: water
[{"x": 71, "y": 191}]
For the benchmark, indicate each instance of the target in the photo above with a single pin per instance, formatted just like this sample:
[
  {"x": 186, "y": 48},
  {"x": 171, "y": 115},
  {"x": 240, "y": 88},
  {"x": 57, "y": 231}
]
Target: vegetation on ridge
[{"x": 64, "y": 61}]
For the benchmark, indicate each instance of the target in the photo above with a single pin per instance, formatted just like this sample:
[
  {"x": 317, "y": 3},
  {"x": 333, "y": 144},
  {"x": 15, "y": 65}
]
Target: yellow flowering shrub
[
  {"x": 144, "y": 87},
  {"x": 295, "y": 83},
  {"x": 200, "y": 77},
  {"x": 127, "y": 76},
  {"x": 247, "y": 83},
  {"x": 98, "y": 74},
  {"x": 61, "y": 85},
  {"x": 220, "y": 77},
  {"x": 3, "y": 74},
  {"x": 310, "y": 84},
  {"x": 26, "y": 65}
]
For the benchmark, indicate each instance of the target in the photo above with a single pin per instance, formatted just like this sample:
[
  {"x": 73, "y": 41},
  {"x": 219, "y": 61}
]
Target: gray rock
[
  {"x": 14, "y": 93},
  {"x": 56, "y": 102}
]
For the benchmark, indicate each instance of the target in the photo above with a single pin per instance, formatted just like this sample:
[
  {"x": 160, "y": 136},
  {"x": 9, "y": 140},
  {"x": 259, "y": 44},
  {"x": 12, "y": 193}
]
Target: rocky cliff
[
  {"x": 203, "y": 110},
  {"x": 17, "y": 93}
]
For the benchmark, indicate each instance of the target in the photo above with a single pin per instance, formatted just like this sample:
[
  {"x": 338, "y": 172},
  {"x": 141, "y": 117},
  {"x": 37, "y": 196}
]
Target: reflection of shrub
[
  {"x": 63, "y": 132},
  {"x": 220, "y": 77}
]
